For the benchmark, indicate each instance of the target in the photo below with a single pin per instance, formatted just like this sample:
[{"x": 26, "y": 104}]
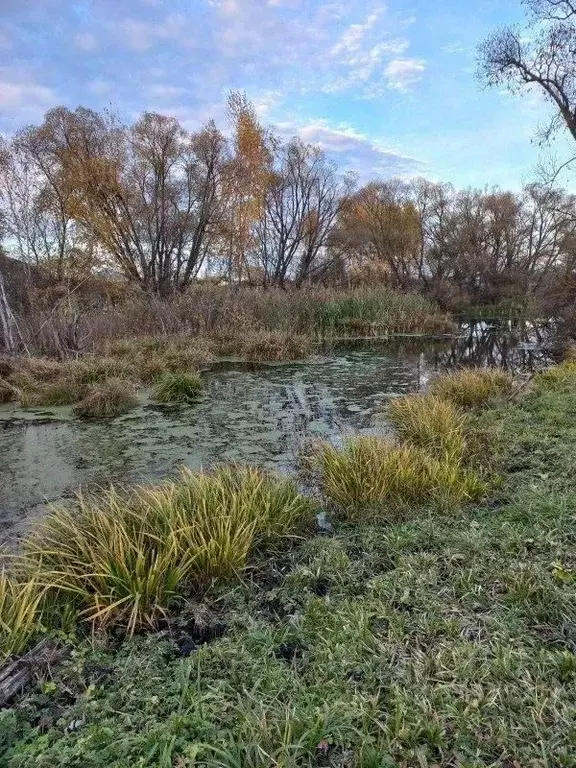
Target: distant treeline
[{"x": 158, "y": 206}]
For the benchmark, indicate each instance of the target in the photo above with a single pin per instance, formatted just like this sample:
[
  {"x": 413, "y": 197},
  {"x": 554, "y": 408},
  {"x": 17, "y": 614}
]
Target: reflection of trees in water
[{"x": 513, "y": 345}]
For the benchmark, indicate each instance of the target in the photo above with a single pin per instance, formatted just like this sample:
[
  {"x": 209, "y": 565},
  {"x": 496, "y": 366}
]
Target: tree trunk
[{"x": 7, "y": 321}]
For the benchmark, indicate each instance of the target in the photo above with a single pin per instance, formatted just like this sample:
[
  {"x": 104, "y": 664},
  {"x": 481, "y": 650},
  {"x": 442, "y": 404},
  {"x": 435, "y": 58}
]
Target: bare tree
[
  {"x": 544, "y": 58},
  {"x": 301, "y": 206},
  {"x": 34, "y": 201}
]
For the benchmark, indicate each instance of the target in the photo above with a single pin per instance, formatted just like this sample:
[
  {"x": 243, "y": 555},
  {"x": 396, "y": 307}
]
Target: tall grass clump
[
  {"x": 274, "y": 346},
  {"x": 20, "y": 612},
  {"x": 472, "y": 387},
  {"x": 124, "y": 559},
  {"x": 178, "y": 388},
  {"x": 431, "y": 423},
  {"x": 107, "y": 557},
  {"x": 106, "y": 400},
  {"x": 371, "y": 476}
]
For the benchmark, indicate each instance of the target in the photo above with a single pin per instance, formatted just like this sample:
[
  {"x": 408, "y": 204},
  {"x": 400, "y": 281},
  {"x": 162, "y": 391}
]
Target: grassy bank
[{"x": 438, "y": 632}]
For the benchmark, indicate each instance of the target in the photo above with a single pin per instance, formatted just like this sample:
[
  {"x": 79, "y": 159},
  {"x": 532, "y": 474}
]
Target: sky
[{"x": 387, "y": 88}]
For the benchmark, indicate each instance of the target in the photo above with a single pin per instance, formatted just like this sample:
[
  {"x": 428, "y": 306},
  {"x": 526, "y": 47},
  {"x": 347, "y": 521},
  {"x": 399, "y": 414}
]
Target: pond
[{"x": 257, "y": 414}]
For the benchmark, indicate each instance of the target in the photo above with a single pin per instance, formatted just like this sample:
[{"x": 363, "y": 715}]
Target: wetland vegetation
[{"x": 415, "y": 628}]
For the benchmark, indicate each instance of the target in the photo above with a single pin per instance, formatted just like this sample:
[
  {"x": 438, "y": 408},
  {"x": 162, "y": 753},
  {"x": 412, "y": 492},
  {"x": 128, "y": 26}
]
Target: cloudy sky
[{"x": 387, "y": 87}]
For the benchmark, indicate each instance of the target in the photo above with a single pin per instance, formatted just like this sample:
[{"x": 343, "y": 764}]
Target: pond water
[{"x": 257, "y": 414}]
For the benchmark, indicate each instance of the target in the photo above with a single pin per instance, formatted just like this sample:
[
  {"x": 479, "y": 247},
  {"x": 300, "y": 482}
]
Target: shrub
[
  {"x": 20, "y": 610},
  {"x": 107, "y": 400},
  {"x": 472, "y": 387},
  {"x": 429, "y": 422},
  {"x": 372, "y": 473},
  {"x": 178, "y": 388}
]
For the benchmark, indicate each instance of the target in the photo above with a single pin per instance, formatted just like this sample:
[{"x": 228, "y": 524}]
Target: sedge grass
[
  {"x": 107, "y": 400},
  {"x": 20, "y": 612},
  {"x": 178, "y": 388},
  {"x": 372, "y": 475},
  {"x": 124, "y": 559},
  {"x": 472, "y": 387},
  {"x": 431, "y": 423}
]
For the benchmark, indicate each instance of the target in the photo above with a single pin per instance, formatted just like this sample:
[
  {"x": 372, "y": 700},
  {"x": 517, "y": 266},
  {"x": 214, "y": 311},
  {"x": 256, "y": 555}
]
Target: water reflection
[{"x": 253, "y": 414}]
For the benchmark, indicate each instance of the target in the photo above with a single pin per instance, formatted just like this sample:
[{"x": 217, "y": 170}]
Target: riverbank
[{"x": 446, "y": 634}]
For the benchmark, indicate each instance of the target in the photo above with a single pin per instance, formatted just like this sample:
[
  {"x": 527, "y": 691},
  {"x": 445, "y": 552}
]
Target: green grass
[
  {"x": 178, "y": 388},
  {"x": 438, "y": 640},
  {"x": 372, "y": 478},
  {"x": 472, "y": 387},
  {"x": 431, "y": 423}
]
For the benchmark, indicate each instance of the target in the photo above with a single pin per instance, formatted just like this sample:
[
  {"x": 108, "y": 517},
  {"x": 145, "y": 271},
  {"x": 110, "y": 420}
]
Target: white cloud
[
  {"x": 141, "y": 35},
  {"x": 402, "y": 74},
  {"x": 354, "y": 151},
  {"x": 353, "y": 37},
  {"x": 86, "y": 41},
  {"x": 99, "y": 86},
  {"x": 28, "y": 95}
]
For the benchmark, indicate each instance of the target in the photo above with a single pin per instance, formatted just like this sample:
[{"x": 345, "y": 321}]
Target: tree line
[{"x": 162, "y": 206}]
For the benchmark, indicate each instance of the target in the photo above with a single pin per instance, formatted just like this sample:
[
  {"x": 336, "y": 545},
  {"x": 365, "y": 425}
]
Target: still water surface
[{"x": 253, "y": 414}]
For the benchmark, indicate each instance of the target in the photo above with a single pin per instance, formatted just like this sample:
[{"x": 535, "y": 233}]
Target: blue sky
[{"x": 387, "y": 87}]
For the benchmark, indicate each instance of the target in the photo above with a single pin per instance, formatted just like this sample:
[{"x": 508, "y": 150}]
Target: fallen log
[{"x": 14, "y": 677}]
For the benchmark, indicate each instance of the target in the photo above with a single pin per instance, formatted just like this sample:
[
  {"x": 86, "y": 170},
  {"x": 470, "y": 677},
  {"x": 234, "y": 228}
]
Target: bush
[
  {"x": 107, "y": 400},
  {"x": 371, "y": 475},
  {"x": 178, "y": 388},
  {"x": 429, "y": 422},
  {"x": 472, "y": 387}
]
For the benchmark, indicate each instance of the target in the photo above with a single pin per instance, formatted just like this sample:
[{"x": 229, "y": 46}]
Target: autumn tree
[
  {"x": 35, "y": 205},
  {"x": 245, "y": 181},
  {"x": 380, "y": 227},
  {"x": 148, "y": 193}
]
